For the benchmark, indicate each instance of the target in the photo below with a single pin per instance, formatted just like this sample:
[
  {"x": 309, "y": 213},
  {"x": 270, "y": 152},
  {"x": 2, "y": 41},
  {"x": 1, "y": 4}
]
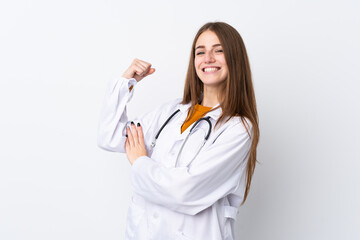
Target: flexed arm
[{"x": 113, "y": 117}]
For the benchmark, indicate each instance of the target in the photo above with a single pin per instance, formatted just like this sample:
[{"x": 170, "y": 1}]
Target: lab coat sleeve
[
  {"x": 113, "y": 117},
  {"x": 216, "y": 172}
]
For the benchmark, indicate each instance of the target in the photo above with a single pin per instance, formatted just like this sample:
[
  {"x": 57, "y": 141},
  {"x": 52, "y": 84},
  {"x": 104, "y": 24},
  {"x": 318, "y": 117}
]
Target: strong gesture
[{"x": 138, "y": 70}]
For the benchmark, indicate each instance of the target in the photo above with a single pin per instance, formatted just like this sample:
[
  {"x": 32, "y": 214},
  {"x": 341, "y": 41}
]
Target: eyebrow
[{"x": 202, "y": 46}]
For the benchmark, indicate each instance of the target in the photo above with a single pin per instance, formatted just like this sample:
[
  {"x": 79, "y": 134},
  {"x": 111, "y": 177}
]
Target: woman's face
[{"x": 210, "y": 62}]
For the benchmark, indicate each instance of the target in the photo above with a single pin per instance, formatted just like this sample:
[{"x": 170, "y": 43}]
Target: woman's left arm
[{"x": 215, "y": 173}]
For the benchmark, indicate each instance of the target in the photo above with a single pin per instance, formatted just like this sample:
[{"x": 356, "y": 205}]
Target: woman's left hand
[{"x": 134, "y": 145}]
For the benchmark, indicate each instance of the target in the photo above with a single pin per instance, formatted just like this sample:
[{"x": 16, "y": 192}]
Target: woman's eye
[
  {"x": 219, "y": 50},
  {"x": 199, "y": 53}
]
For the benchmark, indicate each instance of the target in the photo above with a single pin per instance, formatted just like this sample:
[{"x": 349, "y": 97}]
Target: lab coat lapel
[{"x": 215, "y": 114}]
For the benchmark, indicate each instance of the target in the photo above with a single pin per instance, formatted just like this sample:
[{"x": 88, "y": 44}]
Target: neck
[{"x": 210, "y": 98}]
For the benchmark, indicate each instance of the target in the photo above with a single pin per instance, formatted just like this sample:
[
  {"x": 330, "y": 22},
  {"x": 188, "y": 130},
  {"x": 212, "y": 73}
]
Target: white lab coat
[{"x": 197, "y": 201}]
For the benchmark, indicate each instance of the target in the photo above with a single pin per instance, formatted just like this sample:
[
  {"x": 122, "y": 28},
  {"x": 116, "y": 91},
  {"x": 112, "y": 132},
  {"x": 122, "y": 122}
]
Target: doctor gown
[{"x": 194, "y": 200}]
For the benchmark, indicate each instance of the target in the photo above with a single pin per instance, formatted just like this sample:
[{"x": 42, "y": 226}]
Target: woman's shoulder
[
  {"x": 239, "y": 124},
  {"x": 172, "y": 104},
  {"x": 168, "y": 107}
]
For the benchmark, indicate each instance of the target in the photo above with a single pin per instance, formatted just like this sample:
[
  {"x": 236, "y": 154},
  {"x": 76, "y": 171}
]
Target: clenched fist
[{"x": 138, "y": 70}]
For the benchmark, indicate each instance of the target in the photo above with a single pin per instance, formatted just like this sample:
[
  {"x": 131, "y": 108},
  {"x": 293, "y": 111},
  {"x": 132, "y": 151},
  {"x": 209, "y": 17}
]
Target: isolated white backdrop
[{"x": 57, "y": 56}]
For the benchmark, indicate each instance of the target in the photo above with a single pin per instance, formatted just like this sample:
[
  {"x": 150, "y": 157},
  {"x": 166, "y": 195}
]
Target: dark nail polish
[
  {"x": 138, "y": 124},
  {"x": 126, "y": 135},
  {"x": 132, "y": 123}
]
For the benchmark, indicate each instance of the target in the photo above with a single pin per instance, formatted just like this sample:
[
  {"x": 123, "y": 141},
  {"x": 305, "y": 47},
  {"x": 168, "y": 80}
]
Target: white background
[{"x": 57, "y": 56}]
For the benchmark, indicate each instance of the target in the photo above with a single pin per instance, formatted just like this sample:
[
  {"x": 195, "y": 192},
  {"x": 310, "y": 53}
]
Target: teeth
[{"x": 210, "y": 69}]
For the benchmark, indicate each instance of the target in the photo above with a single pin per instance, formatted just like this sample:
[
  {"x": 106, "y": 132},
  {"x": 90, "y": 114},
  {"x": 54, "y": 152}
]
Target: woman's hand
[
  {"x": 134, "y": 145},
  {"x": 138, "y": 70}
]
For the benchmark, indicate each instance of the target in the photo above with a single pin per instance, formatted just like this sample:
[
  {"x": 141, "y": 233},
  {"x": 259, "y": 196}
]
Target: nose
[{"x": 209, "y": 57}]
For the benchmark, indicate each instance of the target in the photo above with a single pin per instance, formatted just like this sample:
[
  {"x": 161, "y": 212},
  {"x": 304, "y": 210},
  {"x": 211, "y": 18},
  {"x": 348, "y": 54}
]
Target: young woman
[{"x": 193, "y": 158}]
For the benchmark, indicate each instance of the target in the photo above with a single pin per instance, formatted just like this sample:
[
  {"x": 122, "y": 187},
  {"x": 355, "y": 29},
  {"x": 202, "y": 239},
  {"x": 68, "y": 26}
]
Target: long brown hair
[{"x": 237, "y": 92}]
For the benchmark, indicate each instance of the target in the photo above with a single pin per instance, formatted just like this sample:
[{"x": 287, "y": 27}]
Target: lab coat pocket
[
  {"x": 230, "y": 218},
  {"x": 134, "y": 216}
]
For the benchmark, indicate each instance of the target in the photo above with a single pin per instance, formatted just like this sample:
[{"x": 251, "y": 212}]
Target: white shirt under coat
[{"x": 196, "y": 201}]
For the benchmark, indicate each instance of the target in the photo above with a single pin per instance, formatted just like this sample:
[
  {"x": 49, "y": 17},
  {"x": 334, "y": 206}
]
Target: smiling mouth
[{"x": 211, "y": 69}]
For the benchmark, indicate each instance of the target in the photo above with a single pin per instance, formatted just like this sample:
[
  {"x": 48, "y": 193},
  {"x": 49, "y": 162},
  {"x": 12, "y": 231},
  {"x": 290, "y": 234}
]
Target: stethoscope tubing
[
  {"x": 207, "y": 119},
  {"x": 210, "y": 125},
  {"x": 153, "y": 144},
  {"x": 166, "y": 122}
]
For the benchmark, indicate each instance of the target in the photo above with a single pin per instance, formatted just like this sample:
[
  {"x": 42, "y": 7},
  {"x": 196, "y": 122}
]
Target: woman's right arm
[{"x": 113, "y": 118}]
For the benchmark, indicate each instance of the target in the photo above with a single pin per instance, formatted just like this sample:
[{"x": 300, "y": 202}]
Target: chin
[{"x": 211, "y": 81}]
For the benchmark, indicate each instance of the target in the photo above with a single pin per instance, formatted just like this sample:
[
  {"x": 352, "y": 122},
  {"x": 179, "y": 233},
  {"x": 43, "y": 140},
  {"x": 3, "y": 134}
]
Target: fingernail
[
  {"x": 138, "y": 124},
  {"x": 126, "y": 135},
  {"x": 132, "y": 123}
]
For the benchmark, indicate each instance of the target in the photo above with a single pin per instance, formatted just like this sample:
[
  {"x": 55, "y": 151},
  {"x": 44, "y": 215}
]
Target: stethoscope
[{"x": 207, "y": 119}]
